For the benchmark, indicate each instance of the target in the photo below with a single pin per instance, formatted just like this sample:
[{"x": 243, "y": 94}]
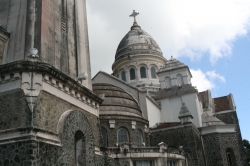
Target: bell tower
[
  {"x": 45, "y": 84},
  {"x": 57, "y": 29}
]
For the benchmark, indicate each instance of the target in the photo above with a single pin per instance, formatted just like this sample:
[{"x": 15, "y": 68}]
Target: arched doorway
[{"x": 80, "y": 149}]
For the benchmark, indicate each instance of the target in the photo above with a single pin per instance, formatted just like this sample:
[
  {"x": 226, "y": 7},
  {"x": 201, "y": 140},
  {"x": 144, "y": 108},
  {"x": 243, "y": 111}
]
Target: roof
[
  {"x": 172, "y": 64},
  {"x": 167, "y": 124},
  {"x": 117, "y": 79},
  {"x": 202, "y": 98},
  {"x": 184, "y": 112},
  {"x": 221, "y": 104},
  {"x": 175, "y": 91},
  {"x": 116, "y": 101},
  {"x": 137, "y": 41}
]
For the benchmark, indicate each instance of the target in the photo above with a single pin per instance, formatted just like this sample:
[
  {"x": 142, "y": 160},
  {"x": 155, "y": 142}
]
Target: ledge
[
  {"x": 228, "y": 128},
  {"x": 44, "y": 68}
]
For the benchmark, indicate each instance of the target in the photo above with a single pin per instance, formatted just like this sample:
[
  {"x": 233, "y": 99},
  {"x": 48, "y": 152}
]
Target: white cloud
[
  {"x": 181, "y": 28},
  {"x": 201, "y": 81},
  {"x": 213, "y": 75},
  {"x": 205, "y": 80}
]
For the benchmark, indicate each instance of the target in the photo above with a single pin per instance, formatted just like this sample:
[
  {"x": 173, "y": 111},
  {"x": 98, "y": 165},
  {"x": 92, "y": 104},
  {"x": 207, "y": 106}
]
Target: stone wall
[
  {"x": 50, "y": 114},
  {"x": 33, "y": 153},
  {"x": 112, "y": 132},
  {"x": 19, "y": 153},
  {"x": 186, "y": 136},
  {"x": 14, "y": 110},
  {"x": 215, "y": 149},
  {"x": 232, "y": 118},
  {"x": 70, "y": 123},
  {"x": 49, "y": 109}
]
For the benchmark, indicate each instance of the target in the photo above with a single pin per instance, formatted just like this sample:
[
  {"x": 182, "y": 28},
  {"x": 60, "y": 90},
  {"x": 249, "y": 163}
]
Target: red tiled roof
[
  {"x": 202, "y": 97},
  {"x": 221, "y": 104},
  {"x": 167, "y": 124}
]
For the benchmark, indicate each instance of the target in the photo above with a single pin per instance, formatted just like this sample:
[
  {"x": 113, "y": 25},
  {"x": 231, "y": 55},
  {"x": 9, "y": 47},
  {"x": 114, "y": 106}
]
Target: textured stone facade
[
  {"x": 51, "y": 116},
  {"x": 70, "y": 123},
  {"x": 112, "y": 132},
  {"x": 49, "y": 109},
  {"x": 186, "y": 136},
  {"x": 215, "y": 146},
  {"x": 33, "y": 153},
  {"x": 14, "y": 110},
  {"x": 232, "y": 118}
]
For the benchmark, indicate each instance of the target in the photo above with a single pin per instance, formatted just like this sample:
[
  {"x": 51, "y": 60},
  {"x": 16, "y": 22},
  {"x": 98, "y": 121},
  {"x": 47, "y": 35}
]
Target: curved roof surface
[
  {"x": 116, "y": 101},
  {"x": 137, "y": 41}
]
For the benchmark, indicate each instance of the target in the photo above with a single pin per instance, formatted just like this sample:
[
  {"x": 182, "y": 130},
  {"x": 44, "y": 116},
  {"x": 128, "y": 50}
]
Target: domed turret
[
  {"x": 137, "y": 41},
  {"x": 116, "y": 101},
  {"x": 138, "y": 58}
]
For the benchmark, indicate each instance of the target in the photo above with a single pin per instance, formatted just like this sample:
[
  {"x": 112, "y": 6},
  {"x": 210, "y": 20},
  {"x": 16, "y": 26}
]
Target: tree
[{"x": 246, "y": 145}]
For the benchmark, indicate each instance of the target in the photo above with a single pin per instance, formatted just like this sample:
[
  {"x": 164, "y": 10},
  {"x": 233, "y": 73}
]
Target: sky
[{"x": 212, "y": 37}]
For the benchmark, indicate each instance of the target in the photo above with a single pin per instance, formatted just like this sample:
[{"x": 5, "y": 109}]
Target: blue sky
[
  {"x": 235, "y": 69},
  {"x": 211, "y": 36}
]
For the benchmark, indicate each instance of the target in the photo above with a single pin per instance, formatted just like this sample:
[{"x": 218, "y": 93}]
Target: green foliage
[{"x": 246, "y": 145}]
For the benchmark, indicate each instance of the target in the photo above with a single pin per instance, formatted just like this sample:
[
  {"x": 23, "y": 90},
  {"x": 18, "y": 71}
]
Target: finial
[
  {"x": 172, "y": 58},
  {"x": 134, "y": 14}
]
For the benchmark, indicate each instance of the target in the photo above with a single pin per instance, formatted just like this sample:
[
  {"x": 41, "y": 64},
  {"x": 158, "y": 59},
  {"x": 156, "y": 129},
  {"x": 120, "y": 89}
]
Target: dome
[
  {"x": 116, "y": 101},
  {"x": 137, "y": 41}
]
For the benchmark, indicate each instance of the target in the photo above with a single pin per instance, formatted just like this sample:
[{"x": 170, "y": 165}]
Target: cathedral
[{"x": 145, "y": 113}]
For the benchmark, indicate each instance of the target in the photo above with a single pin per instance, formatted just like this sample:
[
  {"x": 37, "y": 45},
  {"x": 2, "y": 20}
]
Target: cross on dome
[{"x": 134, "y": 14}]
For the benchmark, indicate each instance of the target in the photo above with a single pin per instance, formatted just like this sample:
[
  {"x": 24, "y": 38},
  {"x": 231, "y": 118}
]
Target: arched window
[
  {"x": 80, "y": 149},
  {"x": 168, "y": 82},
  {"x": 179, "y": 79},
  {"x": 153, "y": 72},
  {"x": 104, "y": 137},
  {"x": 230, "y": 157},
  {"x": 143, "y": 72},
  {"x": 132, "y": 74},
  {"x": 122, "y": 136},
  {"x": 139, "y": 139},
  {"x": 123, "y": 76}
]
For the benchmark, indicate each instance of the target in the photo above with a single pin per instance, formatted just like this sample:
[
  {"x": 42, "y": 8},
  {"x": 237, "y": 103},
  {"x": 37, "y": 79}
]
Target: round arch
[
  {"x": 122, "y": 135},
  {"x": 70, "y": 124},
  {"x": 122, "y": 74},
  {"x": 104, "y": 133},
  {"x": 143, "y": 71},
  {"x": 153, "y": 70}
]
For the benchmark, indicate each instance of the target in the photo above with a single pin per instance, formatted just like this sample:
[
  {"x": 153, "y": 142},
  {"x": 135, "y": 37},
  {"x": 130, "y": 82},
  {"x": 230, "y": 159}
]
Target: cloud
[
  {"x": 213, "y": 75},
  {"x": 192, "y": 28},
  {"x": 207, "y": 80}
]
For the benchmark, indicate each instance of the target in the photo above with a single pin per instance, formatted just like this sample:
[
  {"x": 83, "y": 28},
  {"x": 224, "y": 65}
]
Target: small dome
[
  {"x": 137, "y": 41},
  {"x": 116, "y": 101}
]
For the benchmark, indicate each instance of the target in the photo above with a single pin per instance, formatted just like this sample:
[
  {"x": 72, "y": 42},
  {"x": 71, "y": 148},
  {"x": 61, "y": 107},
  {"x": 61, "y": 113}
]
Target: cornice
[{"x": 44, "y": 68}]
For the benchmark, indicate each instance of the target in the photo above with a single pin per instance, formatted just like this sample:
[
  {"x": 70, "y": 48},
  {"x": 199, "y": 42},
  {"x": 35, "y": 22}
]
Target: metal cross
[{"x": 134, "y": 14}]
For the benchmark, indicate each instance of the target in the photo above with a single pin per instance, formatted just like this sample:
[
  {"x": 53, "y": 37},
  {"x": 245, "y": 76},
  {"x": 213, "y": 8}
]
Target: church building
[{"x": 146, "y": 113}]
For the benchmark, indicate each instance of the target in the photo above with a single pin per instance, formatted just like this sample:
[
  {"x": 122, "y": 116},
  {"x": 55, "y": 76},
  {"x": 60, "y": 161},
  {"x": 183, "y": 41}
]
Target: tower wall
[
  {"x": 232, "y": 118},
  {"x": 186, "y": 136},
  {"x": 58, "y": 29},
  {"x": 216, "y": 145}
]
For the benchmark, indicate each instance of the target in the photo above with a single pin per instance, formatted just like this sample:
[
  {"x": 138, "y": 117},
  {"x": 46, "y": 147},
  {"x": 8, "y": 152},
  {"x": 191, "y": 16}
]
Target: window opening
[
  {"x": 143, "y": 163},
  {"x": 171, "y": 163},
  {"x": 104, "y": 137},
  {"x": 230, "y": 157},
  {"x": 64, "y": 15},
  {"x": 143, "y": 72},
  {"x": 139, "y": 138},
  {"x": 80, "y": 149},
  {"x": 132, "y": 74},
  {"x": 123, "y": 76},
  {"x": 122, "y": 136},
  {"x": 153, "y": 72}
]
